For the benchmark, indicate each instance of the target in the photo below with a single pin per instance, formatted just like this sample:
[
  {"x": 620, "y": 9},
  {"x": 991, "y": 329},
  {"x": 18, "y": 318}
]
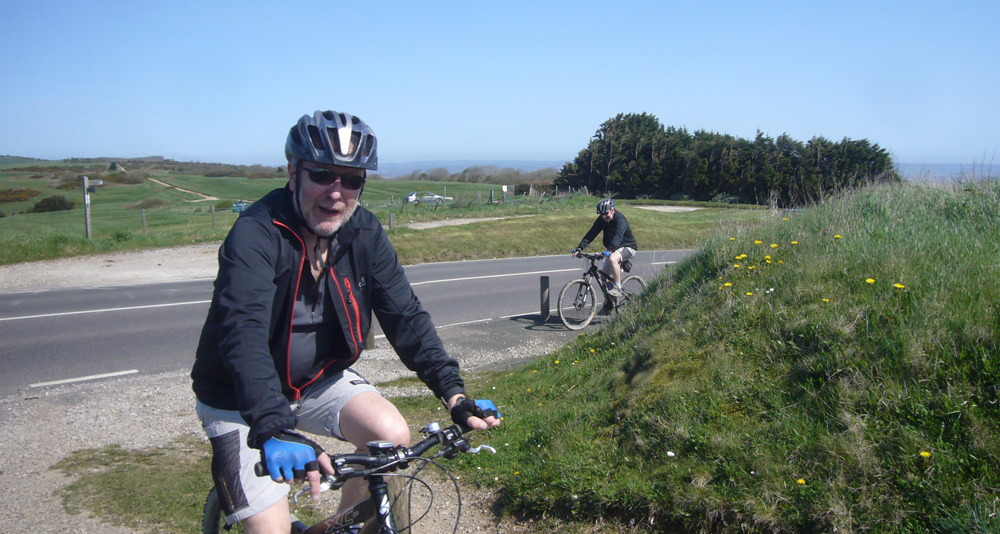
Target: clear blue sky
[{"x": 223, "y": 81}]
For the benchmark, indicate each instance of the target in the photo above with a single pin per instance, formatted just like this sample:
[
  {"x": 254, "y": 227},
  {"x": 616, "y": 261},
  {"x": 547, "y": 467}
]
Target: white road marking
[
  {"x": 83, "y": 378},
  {"x": 82, "y": 312},
  {"x": 505, "y": 275}
]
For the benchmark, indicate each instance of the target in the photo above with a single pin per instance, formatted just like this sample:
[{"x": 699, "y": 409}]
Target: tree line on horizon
[{"x": 634, "y": 156}]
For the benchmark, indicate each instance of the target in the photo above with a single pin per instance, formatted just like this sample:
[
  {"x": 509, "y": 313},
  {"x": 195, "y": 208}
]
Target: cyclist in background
[
  {"x": 300, "y": 274},
  {"x": 619, "y": 244}
]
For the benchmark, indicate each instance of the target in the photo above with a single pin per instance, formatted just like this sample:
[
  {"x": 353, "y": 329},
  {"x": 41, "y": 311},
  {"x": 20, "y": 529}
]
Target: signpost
[
  {"x": 240, "y": 205},
  {"x": 86, "y": 204}
]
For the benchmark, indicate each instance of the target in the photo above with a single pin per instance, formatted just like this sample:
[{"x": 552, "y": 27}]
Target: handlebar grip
[{"x": 260, "y": 469}]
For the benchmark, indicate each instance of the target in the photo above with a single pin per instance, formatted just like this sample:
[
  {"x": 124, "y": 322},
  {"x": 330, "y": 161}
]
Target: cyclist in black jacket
[
  {"x": 300, "y": 274},
  {"x": 619, "y": 244}
]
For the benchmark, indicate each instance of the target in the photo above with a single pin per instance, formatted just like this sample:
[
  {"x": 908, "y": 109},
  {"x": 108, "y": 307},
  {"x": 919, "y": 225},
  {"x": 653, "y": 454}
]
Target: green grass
[
  {"x": 827, "y": 403},
  {"x": 176, "y": 218}
]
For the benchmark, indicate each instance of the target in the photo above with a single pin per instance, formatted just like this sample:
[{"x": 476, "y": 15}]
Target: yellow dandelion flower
[
  {"x": 784, "y": 218},
  {"x": 736, "y": 266},
  {"x": 836, "y": 236},
  {"x": 758, "y": 242},
  {"x": 732, "y": 239},
  {"x": 749, "y": 293},
  {"x": 795, "y": 242},
  {"x": 826, "y": 300},
  {"x": 801, "y": 481},
  {"x": 769, "y": 262},
  {"x": 591, "y": 350},
  {"x": 774, "y": 245},
  {"x": 576, "y": 361},
  {"x": 557, "y": 362},
  {"x": 534, "y": 370},
  {"x": 780, "y": 262},
  {"x": 767, "y": 257},
  {"x": 925, "y": 454},
  {"x": 728, "y": 284},
  {"x": 517, "y": 472},
  {"x": 529, "y": 390},
  {"x": 898, "y": 286},
  {"x": 752, "y": 267},
  {"x": 870, "y": 280}
]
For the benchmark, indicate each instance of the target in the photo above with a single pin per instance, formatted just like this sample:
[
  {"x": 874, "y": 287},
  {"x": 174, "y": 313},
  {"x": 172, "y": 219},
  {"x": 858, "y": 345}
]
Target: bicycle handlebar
[{"x": 384, "y": 456}]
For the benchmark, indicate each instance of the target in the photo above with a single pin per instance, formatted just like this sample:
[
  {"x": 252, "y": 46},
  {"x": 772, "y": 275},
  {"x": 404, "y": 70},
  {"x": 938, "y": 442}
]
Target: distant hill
[
  {"x": 13, "y": 161},
  {"x": 391, "y": 170}
]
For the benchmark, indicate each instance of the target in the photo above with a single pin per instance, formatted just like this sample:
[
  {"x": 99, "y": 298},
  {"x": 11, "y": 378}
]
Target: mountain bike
[
  {"x": 387, "y": 511},
  {"x": 578, "y": 301}
]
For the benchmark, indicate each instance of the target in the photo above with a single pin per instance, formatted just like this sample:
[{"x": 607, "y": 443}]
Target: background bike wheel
[
  {"x": 399, "y": 496},
  {"x": 577, "y": 304},
  {"x": 631, "y": 287},
  {"x": 212, "y": 522}
]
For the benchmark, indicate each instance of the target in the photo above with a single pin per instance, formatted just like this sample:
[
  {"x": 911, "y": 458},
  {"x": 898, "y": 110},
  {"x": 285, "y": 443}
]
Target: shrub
[
  {"x": 53, "y": 203},
  {"x": 224, "y": 205},
  {"x": 18, "y": 195},
  {"x": 2, "y": 215}
]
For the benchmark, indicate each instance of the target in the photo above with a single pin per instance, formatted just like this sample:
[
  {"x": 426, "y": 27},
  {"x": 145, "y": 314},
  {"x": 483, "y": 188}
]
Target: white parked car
[{"x": 425, "y": 197}]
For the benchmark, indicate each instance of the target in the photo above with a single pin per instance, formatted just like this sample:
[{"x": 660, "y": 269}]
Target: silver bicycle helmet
[
  {"x": 334, "y": 138},
  {"x": 605, "y": 206}
]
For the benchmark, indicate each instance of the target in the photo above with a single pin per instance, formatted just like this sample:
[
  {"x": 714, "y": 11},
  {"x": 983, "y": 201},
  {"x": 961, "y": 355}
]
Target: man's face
[
  {"x": 608, "y": 215},
  {"x": 325, "y": 208}
]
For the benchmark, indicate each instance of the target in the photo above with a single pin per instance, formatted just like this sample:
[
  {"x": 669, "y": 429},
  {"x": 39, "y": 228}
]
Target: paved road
[{"x": 67, "y": 334}]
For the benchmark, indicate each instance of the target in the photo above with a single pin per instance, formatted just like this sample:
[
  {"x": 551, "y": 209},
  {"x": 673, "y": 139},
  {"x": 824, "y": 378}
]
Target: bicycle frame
[{"x": 363, "y": 511}]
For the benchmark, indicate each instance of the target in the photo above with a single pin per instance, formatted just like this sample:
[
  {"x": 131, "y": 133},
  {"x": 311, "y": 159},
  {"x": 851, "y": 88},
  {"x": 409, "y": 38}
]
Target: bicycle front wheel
[
  {"x": 213, "y": 521},
  {"x": 577, "y": 304},
  {"x": 399, "y": 497}
]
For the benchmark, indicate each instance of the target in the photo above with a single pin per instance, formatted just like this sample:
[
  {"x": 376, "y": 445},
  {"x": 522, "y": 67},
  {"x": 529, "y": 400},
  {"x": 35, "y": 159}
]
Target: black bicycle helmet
[
  {"x": 334, "y": 138},
  {"x": 605, "y": 206}
]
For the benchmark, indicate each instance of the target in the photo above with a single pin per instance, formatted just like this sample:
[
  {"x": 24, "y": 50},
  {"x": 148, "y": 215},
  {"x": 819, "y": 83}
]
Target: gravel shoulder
[{"x": 39, "y": 426}]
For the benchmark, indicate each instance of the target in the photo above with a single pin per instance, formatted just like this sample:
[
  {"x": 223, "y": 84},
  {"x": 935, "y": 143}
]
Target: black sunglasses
[{"x": 327, "y": 177}]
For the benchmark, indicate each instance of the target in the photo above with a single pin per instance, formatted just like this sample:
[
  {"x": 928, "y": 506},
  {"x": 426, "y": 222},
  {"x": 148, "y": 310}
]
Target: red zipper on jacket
[{"x": 357, "y": 314}]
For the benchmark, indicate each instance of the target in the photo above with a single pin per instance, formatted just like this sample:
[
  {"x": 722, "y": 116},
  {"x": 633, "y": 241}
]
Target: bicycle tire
[
  {"x": 631, "y": 288},
  {"x": 399, "y": 499},
  {"x": 212, "y": 521},
  {"x": 577, "y": 312}
]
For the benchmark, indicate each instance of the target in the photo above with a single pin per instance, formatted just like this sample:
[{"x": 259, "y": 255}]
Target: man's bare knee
[{"x": 370, "y": 417}]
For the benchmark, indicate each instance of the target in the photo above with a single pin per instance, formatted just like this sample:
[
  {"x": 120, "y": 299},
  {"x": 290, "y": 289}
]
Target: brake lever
[
  {"x": 476, "y": 450},
  {"x": 325, "y": 483}
]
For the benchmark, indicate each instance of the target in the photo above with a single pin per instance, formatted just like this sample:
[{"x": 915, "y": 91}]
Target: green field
[{"x": 531, "y": 226}]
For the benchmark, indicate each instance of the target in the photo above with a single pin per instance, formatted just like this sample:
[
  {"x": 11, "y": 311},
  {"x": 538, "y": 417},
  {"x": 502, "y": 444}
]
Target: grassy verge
[
  {"x": 172, "y": 217},
  {"x": 835, "y": 370}
]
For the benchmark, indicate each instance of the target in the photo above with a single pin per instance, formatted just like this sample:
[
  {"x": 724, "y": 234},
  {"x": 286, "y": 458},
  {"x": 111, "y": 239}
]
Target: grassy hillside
[{"x": 835, "y": 370}]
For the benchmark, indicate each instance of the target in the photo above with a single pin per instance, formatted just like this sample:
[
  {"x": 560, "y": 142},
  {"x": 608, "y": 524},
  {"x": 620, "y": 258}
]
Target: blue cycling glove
[
  {"x": 465, "y": 408},
  {"x": 606, "y": 253},
  {"x": 289, "y": 455}
]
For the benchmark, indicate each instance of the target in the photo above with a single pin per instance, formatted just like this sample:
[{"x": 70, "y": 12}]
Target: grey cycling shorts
[
  {"x": 242, "y": 493},
  {"x": 625, "y": 252}
]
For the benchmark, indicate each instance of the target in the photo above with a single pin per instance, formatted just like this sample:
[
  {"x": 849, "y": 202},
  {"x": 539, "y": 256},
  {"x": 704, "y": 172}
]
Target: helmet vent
[
  {"x": 368, "y": 147},
  {"x": 343, "y": 119},
  {"x": 355, "y": 141},
  {"x": 317, "y": 141},
  {"x": 328, "y": 115}
]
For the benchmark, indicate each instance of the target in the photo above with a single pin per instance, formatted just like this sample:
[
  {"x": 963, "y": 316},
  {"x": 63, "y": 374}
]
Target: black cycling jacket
[
  {"x": 617, "y": 233},
  {"x": 242, "y": 357}
]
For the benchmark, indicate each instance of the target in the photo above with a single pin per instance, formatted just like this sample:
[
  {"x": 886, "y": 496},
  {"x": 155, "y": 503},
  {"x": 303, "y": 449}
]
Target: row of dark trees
[{"x": 633, "y": 155}]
